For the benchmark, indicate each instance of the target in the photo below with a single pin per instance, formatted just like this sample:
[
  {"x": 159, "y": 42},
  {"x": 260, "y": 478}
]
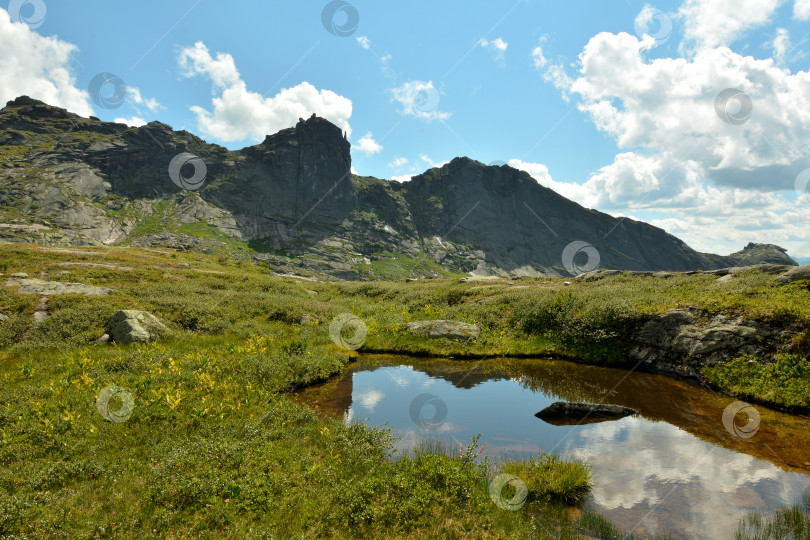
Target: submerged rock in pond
[{"x": 561, "y": 413}]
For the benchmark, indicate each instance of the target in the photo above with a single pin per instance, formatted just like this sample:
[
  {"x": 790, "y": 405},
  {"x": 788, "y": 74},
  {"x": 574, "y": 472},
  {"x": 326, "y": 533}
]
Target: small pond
[{"x": 674, "y": 469}]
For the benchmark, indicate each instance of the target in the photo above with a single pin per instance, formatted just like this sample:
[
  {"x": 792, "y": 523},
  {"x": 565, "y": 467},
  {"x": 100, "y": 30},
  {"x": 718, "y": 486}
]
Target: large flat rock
[{"x": 46, "y": 288}]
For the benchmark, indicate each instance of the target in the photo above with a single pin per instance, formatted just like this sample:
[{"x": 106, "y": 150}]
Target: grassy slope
[
  {"x": 213, "y": 441},
  {"x": 214, "y": 446}
]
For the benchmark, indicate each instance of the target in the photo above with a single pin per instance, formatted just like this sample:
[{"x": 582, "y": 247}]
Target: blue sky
[{"x": 612, "y": 104}]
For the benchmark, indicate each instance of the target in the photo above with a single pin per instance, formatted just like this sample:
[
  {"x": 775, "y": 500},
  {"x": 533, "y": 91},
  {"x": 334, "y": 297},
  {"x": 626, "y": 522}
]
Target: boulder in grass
[
  {"x": 562, "y": 413},
  {"x": 444, "y": 329},
  {"x": 133, "y": 326}
]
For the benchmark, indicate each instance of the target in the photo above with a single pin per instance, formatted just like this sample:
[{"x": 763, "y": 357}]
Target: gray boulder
[
  {"x": 3, "y": 318},
  {"x": 795, "y": 274},
  {"x": 443, "y": 328},
  {"x": 133, "y": 326}
]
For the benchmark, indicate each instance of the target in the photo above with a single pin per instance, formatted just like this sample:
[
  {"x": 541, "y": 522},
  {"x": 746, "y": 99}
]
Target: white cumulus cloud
[
  {"x": 710, "y": 23},
  {"x": 668, "y": 105},
  {"x": 134, "y": 95},
  {"x": 238, "y": 113},
  {"x": 38, "y": 67},
  {"x": 538, "y": 59},
  {"x": 398, "y": 162},
  {"x": 368, "y": 145},
  {"x": 801, "y": 10},
  {"x": 781, "y": 45},
  {"x": 498, "y": 46}
]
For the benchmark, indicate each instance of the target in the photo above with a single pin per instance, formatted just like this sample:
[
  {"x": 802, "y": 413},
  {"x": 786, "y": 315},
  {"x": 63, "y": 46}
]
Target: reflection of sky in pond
[{"x": 651, "y": 474}]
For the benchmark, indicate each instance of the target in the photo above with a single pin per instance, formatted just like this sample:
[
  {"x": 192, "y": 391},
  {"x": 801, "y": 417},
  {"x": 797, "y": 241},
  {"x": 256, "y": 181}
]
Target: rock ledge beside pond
[{"x": 681, "y": 341}]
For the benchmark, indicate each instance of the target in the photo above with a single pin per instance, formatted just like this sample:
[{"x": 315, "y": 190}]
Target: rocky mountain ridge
[{"x": 293, "y": 202}]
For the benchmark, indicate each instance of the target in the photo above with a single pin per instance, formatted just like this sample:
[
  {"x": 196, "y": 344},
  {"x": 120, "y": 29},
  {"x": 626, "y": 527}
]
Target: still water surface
[{"x": 674, "y": 469}]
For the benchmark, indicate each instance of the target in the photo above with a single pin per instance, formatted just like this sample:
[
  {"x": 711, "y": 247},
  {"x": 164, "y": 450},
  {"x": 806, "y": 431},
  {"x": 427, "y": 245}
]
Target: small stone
[
  {"x": 19, "y": 275},
  {"x": 104, "y": 339},
  {"x": 3, "y": 317}
]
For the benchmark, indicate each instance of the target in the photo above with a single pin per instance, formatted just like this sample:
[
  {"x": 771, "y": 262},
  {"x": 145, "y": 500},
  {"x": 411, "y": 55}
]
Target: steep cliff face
[{"x": 293, "y": 202}]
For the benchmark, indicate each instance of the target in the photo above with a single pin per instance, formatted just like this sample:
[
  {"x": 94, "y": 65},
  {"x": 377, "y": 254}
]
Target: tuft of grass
[
  {"x": 783, "y": 380},
  {"x": 550, "y": 478},
  {"x": 792, "y": 523}
]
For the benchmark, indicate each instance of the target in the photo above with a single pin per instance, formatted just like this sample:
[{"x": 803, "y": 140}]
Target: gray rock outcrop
[
  {"x": 133, "y": 326},
  {"x": 680, "y": 342},
  {"x": 795, "y": 274}
]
